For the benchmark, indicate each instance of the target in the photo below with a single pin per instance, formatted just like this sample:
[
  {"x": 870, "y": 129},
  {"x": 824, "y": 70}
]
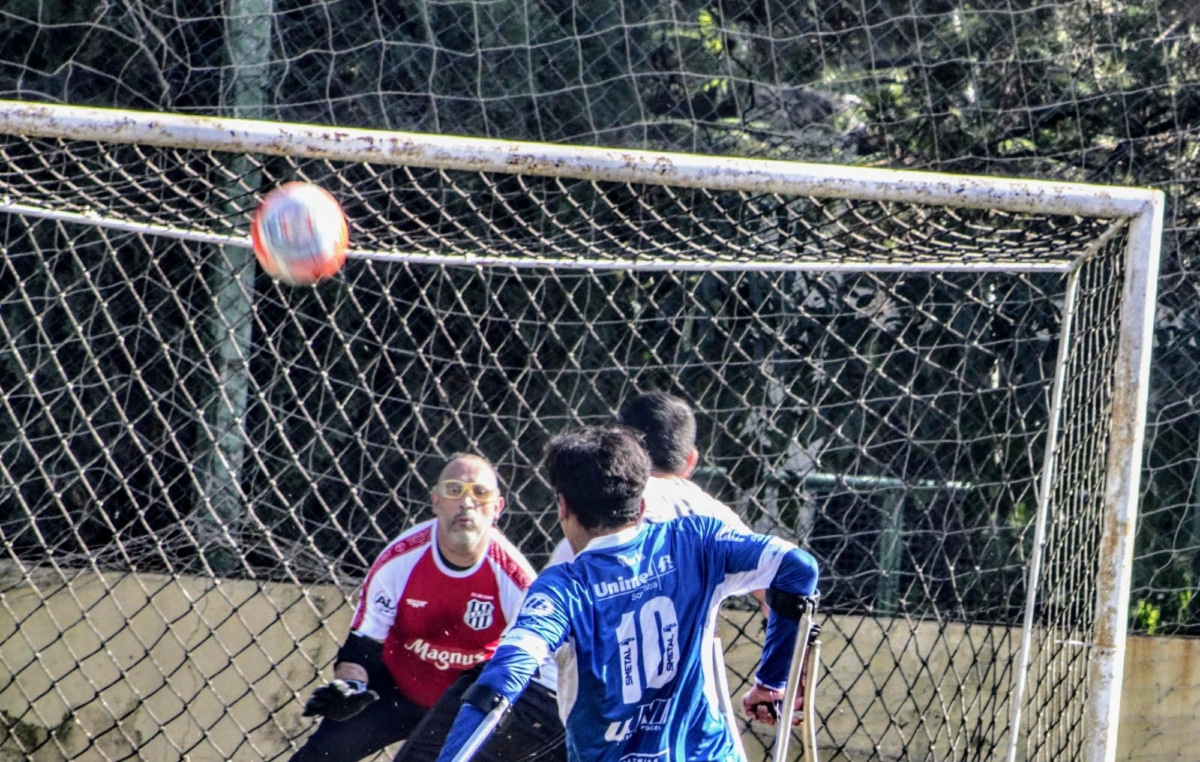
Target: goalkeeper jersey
[
  {"x": 434, "y": 621},
  {"x": 630, "y": 621}
]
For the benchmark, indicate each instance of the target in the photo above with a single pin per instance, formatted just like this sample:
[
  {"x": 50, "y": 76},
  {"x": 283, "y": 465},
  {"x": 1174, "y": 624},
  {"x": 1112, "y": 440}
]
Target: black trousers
[
  {"x": 383, "y": 723},
  {"x": 531, "y": 732}
]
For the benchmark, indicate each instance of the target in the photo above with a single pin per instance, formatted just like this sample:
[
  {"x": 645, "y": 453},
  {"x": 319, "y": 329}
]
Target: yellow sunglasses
[{"x": 454, "y": 489}]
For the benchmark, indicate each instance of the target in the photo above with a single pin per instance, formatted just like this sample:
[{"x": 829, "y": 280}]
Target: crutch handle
[
  {"x": 783, "y": 727},
  {"x": 481, "y": 733}
]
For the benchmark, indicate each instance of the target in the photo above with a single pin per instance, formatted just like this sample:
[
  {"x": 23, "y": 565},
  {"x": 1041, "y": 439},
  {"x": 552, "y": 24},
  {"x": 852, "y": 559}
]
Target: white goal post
[{"x": 738, "y": 233}]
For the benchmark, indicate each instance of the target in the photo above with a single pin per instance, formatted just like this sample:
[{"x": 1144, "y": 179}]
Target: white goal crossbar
[{"x": 450, "y": 152}]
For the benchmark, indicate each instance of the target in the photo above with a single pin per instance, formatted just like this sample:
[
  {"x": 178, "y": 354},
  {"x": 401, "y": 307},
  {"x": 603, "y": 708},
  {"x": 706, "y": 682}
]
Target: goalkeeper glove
[{"x": 340, "y": 700}]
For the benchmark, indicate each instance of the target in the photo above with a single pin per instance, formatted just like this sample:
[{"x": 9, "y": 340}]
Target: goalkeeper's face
[{"x": 467, "y": 502}]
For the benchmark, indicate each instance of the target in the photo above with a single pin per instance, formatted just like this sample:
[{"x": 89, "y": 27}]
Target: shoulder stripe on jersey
[
  {"x": 416, "y": 538},
  {"x": 510, "y": 561}
]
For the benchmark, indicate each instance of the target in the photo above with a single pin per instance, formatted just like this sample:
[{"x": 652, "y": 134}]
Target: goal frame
[{"x": 1142, "y": 210}]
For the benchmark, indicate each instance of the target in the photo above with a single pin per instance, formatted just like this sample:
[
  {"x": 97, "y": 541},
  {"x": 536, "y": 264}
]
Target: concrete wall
[
  {"x": 180, "y": 669},
  {"x": 109, "y": 667}
]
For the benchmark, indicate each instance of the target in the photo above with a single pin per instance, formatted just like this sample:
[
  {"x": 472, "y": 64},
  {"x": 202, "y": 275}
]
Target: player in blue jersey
[{"x": 629, "y": 621}]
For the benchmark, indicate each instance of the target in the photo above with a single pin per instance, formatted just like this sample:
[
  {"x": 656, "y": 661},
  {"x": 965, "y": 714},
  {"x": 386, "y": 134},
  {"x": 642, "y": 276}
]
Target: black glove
[{"x": 340, "y": 699}]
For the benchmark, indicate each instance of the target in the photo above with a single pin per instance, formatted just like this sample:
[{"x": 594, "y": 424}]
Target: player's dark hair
[
  {"x": 601, "y": 472},
  {"x": 667, "y": 426}
]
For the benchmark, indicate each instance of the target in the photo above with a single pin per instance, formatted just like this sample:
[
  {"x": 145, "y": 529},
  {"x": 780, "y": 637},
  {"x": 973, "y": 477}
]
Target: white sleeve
[
  {"x": 671, "y": 497},
  {"x": 562, "y": 554},
  {"x": 381, "y": 594},
  {"x": 721, "y": 512},
  {"x": 513, "y": 574},
  {"x": 511, "y": 596}
]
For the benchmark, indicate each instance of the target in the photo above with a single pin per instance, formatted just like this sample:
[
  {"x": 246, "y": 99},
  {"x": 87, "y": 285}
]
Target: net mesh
[
  {"x": 179, "y": 427},
  {"x": 1065, "y": 613},
  {"x": 120, "y": 351},
  {"x": 518, "y": 219}
]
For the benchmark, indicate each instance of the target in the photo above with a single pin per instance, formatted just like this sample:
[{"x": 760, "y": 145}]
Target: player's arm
[
  {"x": 793, "y": 584},
  {"x": 540, "y": 628},
  {"x": 502, "y": 682},
  {"x": 751, "y": 561},
  {"x": 754, "y": 561},
  {"x": 347, "y": 694},
  {"x": 794, "y": 581}
]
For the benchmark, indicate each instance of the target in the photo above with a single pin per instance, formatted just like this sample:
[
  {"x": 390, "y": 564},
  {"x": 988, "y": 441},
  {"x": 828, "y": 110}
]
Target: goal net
[{"x": 935, "y": 383}]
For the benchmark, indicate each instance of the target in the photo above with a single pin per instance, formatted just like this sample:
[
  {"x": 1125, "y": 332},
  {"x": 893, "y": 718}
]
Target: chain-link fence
[{"x": 277, "y": 447}]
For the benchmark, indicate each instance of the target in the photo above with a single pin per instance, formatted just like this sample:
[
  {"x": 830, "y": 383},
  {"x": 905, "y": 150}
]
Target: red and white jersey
[{"x": 436, "y": 622}]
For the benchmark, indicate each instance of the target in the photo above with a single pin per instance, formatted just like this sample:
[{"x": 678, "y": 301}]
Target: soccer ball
[{"x": 300, "y": 234}]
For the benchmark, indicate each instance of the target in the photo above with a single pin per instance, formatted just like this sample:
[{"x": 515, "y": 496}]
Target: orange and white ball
[{"x": 299, "y": 233}]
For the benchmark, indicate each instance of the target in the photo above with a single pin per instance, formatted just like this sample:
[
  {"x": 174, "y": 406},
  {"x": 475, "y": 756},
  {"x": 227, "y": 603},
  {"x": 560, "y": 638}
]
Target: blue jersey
[{"x": 630, "y": 622}]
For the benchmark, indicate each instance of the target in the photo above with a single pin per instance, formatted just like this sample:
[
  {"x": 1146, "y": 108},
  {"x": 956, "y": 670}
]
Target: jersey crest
[{"x": 479, "y": 614}]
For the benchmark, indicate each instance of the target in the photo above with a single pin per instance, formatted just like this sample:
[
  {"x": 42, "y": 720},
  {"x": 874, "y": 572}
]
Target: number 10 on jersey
[{"x": 648, "y": 644}]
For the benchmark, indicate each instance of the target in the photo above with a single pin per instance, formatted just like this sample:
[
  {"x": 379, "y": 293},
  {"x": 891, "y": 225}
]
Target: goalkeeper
[
  {"x": 433, "y": 606},
  {"x": 632, "y": 614}
]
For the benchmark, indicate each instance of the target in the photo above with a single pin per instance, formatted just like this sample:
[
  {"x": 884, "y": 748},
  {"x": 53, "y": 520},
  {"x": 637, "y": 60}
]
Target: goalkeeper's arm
[
  {"x": 347, "y": 694},
  {"x": 502, "y": 680}
]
